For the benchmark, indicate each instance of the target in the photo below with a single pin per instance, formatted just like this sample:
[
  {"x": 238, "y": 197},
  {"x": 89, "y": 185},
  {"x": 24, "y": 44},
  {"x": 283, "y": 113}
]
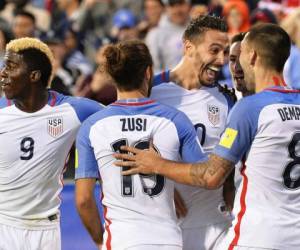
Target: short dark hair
[
  {"x": 127, "y": 63},
  {"x": 25, "y": 13},
  {"x": 198, "y": 26},
  {"x": 272, "y": 44},
  {"x": 37, "y": 60},
  {"x": 238, "y": 37}
]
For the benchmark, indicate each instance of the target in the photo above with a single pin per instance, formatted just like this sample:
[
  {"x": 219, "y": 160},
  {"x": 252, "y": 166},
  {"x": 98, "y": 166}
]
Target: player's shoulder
[
  {"x": 268, "y": 97},
  {"x": 75, "y": 101},
  {"x": 251, "y": 106},
  {"x": 162, "y": 77},
  {"x": 176, "y": 116},
  {"x": 83, "y": 107},
  {"x": 109, "y": 111}
]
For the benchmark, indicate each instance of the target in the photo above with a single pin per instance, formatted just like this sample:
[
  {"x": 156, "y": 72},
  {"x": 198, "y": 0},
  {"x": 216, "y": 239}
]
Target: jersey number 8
[{"x": 289, "y": 180}]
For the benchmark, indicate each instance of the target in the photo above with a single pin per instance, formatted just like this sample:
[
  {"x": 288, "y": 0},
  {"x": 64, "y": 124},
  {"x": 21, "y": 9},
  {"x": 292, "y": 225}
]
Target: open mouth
[
  {"x": 239, "y": 78},
  {"x": 213, "y": 72},
  {"x": 4, "y": 82}
]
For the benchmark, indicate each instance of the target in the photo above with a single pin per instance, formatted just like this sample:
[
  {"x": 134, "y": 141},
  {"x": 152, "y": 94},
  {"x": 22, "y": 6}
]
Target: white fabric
[
  {"x": 140, "y": 212},
  {"x": 30, "y": 188},
  {"x": 203, "y": 205},
  {"x": 155, "y": 247},
  {"x": 203, "y": 238},
  {"x": 264, "y": 207},
  {"x": 12, "y": 238}
]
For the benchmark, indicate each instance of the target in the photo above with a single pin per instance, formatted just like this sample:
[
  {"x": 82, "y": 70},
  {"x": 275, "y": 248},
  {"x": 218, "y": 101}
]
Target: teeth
[
  {"x": 239, "y": 78},
  {"x": 3, "y": 81},
  {"x": 214, "y": 68}
]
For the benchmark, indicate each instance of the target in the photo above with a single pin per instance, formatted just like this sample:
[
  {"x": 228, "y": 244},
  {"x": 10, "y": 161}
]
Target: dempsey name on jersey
[{"x": 289, "y": 113}]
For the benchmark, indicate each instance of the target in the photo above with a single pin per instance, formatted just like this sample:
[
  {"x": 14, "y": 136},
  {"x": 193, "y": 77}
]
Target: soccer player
[
  {"x": 191, "y": 87},
  {"x": 236, "y": 70},
  {"x": 138, "y": 209},
  {"x": 37, "y": 130},
  {"x": 264, "y": 127}
]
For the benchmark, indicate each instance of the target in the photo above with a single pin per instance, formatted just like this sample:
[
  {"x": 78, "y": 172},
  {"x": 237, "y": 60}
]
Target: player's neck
[
  {"x": 183, "y": 76},
  {"x": 122, "y": 95},
  {"x": 268, "y": 78},
  {"x": 34, "y": 102}
]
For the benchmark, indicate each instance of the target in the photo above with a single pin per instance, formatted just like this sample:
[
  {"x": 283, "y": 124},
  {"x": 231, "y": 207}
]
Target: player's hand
[
  {"x": 229, "y": 91},
  {"x": 100, "y": 247},
  {"x": 180, "y": 207},
  {"x": 139, "y": 161}
]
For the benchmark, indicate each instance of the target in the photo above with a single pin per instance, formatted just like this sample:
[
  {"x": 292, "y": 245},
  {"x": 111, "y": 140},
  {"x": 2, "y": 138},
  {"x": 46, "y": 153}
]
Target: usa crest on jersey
[
  {"x": 213, "y": 113},
  {"x": 55, "y": 126}
]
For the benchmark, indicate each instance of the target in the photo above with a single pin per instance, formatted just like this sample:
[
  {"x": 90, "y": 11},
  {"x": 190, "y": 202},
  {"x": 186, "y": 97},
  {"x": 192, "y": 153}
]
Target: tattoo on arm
[{"x": 212, "y": 173}]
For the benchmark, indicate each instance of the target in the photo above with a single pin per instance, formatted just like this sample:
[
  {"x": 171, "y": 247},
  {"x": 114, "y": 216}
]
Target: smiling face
[
  {"x": 14, "y": 76},
  {"x": 209, "y": 55},
  {"x": 236, "y": 70}
]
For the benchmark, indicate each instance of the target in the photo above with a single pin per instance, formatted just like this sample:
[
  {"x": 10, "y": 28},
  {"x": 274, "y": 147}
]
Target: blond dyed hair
[{"x": 21, "y": 44}]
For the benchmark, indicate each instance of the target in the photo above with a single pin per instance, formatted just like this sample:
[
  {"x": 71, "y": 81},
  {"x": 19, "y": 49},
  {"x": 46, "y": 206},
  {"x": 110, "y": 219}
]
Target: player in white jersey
[
  {"x": 139, "y": 209},
  {"x": 264, "y": 127},
  {"x": 37, "y": 130},
  {"x": 191, "y": 87}
]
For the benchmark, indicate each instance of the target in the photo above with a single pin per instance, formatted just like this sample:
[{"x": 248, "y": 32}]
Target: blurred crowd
[{"x": 78, "y": 30}]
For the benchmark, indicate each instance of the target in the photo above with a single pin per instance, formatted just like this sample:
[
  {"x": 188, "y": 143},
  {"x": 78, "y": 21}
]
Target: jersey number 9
[{"x": 27, "y": 148}]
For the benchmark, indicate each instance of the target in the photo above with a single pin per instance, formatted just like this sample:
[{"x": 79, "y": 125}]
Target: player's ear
[
  {"x": 35, "y": 75},
  {"x": 188, "y": 48},
  {"x": 149, "y": 73},
  {"x": 253, "y": 57}
]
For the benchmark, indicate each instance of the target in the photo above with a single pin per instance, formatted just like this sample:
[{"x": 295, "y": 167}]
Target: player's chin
[{"x": 208, "y": 82}]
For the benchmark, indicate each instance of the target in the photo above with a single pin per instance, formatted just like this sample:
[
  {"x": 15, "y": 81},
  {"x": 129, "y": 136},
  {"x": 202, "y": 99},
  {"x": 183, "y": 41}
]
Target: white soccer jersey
[
  {"x": 266, "y": 128},
  {"x": 33, "y": 151},
  {"x": 138, "y": 209},
  {"x": 207, "y": 108}
]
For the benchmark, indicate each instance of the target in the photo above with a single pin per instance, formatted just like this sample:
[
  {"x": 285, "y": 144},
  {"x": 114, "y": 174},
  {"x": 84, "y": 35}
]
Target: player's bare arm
[
  {"x": 210, "y": 174},
  {"x": 87, "y": 208}
]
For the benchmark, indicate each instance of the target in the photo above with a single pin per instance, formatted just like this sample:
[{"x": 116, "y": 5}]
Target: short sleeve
[
  {"x": 86, "y": 164},
  {"x": 84, "y": 107},
  {"x": 239, "y": 133}
]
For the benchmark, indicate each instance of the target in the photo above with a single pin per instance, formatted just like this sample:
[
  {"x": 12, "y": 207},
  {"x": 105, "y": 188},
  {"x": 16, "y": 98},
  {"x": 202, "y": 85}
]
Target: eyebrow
[
  {"x": 226, "y": 47},
  {"x": 216, "y": 44}
]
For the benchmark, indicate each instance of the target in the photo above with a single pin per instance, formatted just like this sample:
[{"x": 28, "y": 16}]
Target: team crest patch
[
  {"x": 213, "y": 113},
  {"x": 55, "y": 126}
]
